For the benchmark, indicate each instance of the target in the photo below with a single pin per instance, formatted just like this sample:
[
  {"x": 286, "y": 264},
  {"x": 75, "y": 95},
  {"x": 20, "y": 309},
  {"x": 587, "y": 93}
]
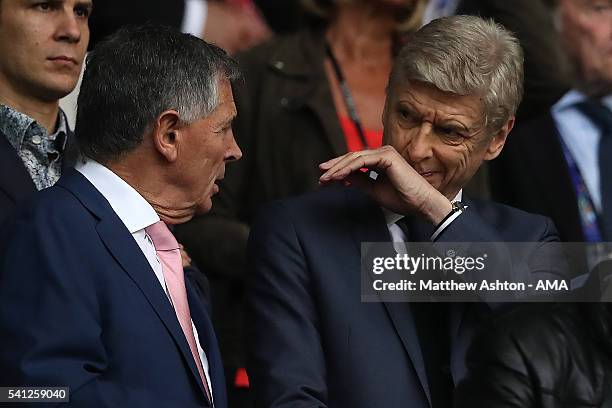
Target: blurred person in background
[
  {"x": 233, "y": 25},
  {"x": 546, "y": 66},
  {"x": 542, "y": 356},
  {"x": 571, "y": 142},
  {"x": 42, "y": 46},
  {"x": 307, "y": 97}
]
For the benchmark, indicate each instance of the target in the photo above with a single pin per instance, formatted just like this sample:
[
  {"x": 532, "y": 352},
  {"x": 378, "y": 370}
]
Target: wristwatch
[{"x": 457, "y": 206}]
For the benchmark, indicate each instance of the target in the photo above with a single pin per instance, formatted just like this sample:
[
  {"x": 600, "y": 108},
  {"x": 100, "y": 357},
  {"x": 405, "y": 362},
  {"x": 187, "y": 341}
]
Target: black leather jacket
[{"x": 542, "y": 356}]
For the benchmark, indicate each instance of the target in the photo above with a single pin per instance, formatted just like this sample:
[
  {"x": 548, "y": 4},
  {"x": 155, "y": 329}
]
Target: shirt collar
[
  {"x": 15, "y": 126},
  {"x": 573, "y": 97},
  {"x": 133, "y": 210},
  {"x": 391, "y": 217},
  {"x": 61, "y": 130}
]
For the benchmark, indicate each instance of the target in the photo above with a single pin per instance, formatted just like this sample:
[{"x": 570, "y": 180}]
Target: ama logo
[{"x": 555, "y": 285}]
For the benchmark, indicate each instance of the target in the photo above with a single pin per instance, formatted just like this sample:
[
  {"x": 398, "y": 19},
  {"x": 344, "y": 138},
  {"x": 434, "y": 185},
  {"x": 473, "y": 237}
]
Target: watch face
[{"x": 458, "y": 205}]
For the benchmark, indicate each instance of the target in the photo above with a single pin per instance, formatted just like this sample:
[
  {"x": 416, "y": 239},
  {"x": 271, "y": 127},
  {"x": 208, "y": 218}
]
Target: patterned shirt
[{"x": 40, "y": 152}]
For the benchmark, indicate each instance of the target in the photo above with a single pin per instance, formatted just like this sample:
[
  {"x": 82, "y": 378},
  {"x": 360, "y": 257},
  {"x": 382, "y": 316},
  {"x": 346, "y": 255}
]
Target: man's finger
[{"x": 330, "y": 163}]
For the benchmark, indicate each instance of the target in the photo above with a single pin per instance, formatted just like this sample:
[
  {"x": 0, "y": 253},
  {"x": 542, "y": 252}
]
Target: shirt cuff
[
  {"x": 448, "y": 220},
  {"x": 194, "y": 19}
]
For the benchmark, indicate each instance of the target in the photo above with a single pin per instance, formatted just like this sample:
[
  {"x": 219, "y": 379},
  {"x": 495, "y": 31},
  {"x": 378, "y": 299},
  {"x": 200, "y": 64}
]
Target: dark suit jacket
[
  {"x": 15, "y": 182},
  {"x": 81, "y": 307},
  {"x": 531, "y": 174},
  {"x": 312, "y": 342}
]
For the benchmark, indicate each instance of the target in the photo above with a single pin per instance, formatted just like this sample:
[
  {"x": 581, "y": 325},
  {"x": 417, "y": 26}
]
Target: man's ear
[
  {"x": 499, "y": 140},
  {"x": 166, "y": 134}
]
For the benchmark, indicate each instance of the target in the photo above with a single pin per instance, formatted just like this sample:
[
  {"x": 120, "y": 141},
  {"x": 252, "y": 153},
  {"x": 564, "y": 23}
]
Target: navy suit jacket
[
  {"x": 312, "y": 342},
  {"x": 81, "y": 307}
]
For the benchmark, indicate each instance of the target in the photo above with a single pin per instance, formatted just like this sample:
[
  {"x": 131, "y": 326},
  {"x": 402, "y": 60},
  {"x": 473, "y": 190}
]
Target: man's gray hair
[
  {"x": 466, "y": 55},
  {"x": 138, "y": 73}
]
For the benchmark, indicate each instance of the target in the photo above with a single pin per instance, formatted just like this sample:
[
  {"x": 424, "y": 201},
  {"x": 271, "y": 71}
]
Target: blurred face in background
[
  {"x": 586, "y": 29},
  {"x": 400, "y": 5},
  {"x": 43, "y": 44}
]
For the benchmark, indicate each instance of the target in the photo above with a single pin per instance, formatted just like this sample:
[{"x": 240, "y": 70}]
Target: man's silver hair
[{"x": 466, "y": 55}]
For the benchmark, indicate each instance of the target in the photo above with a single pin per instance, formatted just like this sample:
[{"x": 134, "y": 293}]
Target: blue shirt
[{"x": 581, "y": 136}]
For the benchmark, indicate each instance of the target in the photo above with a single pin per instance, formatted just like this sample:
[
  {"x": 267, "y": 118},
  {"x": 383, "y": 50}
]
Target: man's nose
[
  {"x": 419, "y": 146},
  {"x": 68, "y": 27},
  {"x": 233, "y": 151}
]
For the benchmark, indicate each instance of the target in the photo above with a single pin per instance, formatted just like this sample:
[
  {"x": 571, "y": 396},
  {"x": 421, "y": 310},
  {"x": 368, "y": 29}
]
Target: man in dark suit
[
  {"x": 571, "y": 143},
  {"x": 111, "y": 314},
  {"x": 42, "y": 48},
  {"x": 312, "y": 342}
]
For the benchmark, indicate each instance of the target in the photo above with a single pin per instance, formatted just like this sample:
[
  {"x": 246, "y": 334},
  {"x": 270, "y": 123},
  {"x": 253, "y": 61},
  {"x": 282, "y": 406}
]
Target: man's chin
[{"x": 203, "y": 207}]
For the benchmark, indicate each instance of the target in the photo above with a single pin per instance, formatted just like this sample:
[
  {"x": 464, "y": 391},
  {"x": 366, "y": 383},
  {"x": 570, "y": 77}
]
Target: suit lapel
[
  {"x": 208, "y": 342},
  {"x": 15, "y": 180},
  {"x": 71, "y": 152},
  {"x": 369, "y": 225},
  {"x": 128, "y": 254}
]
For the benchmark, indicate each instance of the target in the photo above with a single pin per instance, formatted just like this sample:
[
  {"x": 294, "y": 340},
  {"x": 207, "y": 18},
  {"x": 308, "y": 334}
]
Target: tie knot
[
  {"x": 163, "y": 240},
  {"x": 598, "y": 113}
]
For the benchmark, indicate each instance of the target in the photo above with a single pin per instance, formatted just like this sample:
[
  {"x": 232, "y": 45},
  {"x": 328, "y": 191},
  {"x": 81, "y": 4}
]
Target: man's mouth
[{"x": 65, "y": 59}]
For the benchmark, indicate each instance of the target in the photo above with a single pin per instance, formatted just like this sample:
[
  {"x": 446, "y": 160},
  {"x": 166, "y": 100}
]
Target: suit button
[{"x": 36, "y": 139}]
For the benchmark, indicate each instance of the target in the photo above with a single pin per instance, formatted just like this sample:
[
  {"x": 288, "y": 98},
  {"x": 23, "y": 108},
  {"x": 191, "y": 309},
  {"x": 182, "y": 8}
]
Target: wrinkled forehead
[{"x": 427, "y": 99}]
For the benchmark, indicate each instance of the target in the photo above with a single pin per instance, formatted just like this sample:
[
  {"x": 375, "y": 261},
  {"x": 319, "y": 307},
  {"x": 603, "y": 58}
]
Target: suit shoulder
[
  {"x": 501, "y": 214},
  {"x": 327, "y": 205},
  {"x": 53, "y": 205}
]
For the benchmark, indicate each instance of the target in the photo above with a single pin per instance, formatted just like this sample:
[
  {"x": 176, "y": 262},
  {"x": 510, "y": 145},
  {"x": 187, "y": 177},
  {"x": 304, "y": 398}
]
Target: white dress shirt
[
  {"x": 439, "y": 8},
  {"x": 581, "y": 136},
  {"x": 399, "y": 238},
  {"x": 136, "y": 214},
  {"x": 194, "y": 17}
]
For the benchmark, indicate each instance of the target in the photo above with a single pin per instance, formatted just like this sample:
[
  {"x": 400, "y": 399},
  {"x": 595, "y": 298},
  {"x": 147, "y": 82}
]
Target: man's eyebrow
[
  {"x": 455, "y": 124},
  {"x": 227, "y": 122},
  {"x": 85, "y": 3}
]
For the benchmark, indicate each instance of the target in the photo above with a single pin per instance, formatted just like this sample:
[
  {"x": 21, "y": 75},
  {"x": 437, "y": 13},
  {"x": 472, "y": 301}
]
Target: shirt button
[
  {"x": 279, "y": 64},
  {"x": 36, "y": 140}
]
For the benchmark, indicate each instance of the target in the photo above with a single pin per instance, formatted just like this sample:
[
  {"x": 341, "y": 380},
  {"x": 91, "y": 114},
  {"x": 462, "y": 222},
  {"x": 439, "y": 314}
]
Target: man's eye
[
  {"x": 406, "y": 114},
  {"x": 224, "y": 129},
  {"x": 82, "y": 11},
  {"x": 450, "y": 135},
  {"x": 601, "y": 7},
  {"x": 43, "y": 6}
]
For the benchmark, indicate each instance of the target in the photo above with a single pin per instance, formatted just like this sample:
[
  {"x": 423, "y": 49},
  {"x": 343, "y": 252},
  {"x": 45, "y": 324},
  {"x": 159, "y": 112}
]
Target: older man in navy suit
[
  {"x": 111, "y": 315},
  {"x": 452, "y": 96}
]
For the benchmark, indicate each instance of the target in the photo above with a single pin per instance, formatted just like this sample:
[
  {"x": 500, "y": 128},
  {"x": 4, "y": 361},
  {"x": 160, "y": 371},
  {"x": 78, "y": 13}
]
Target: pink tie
[{"x": 168, "y": 252}]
